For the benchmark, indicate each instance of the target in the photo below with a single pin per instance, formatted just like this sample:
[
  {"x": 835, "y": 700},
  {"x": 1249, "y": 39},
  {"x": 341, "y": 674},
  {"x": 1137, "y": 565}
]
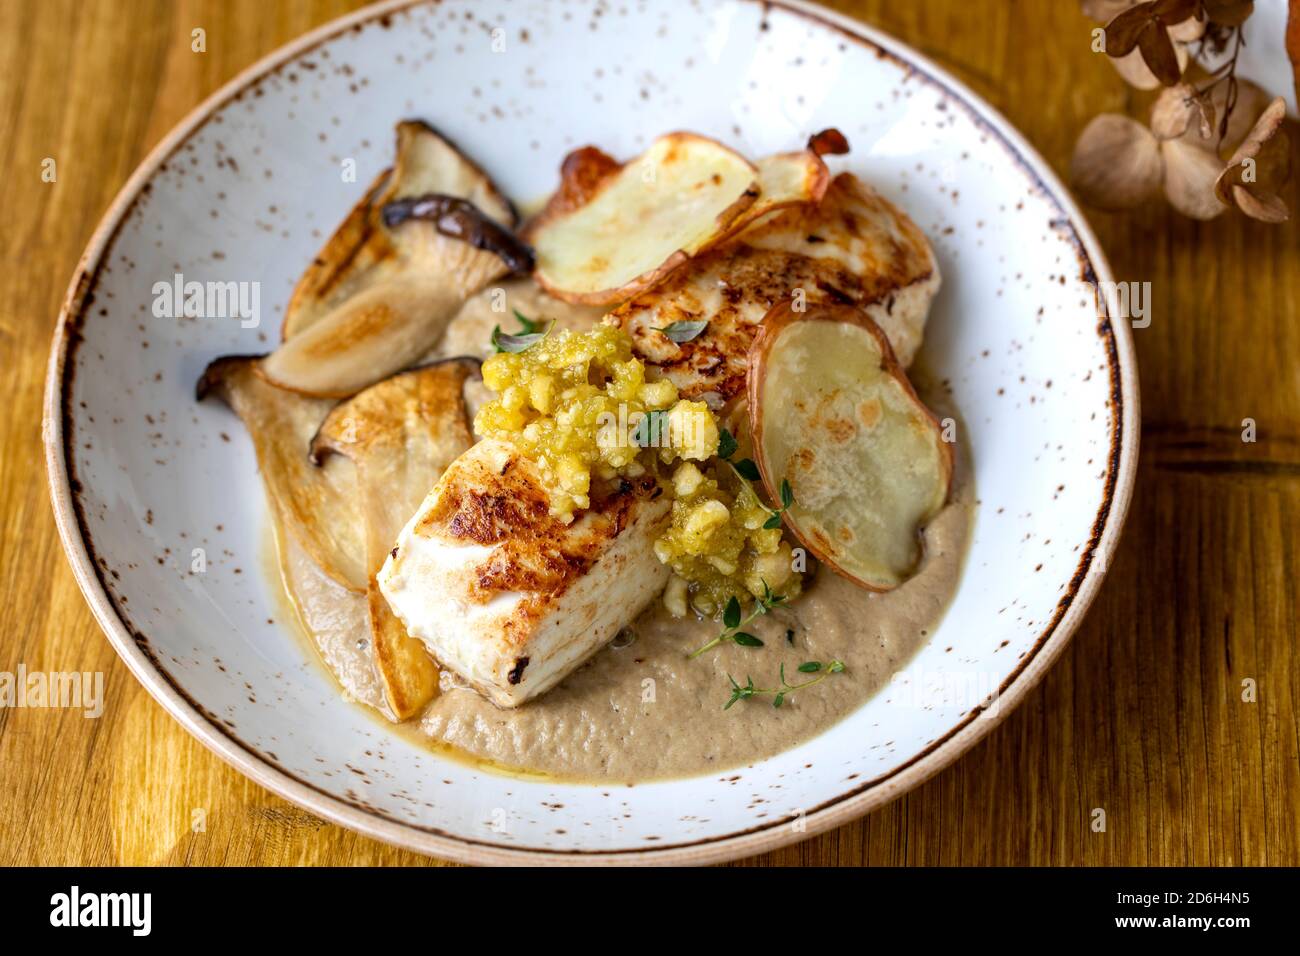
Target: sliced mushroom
[
  {"x": 620, "y": 227},
  {"x": 428, "y": 162},
  {"x": 428, "y": 236},
  {"x": 336, "y": 619},
  {"x": 317, "y": 506},
  {"x": 425, "y": 162},
  {"x": 833, "y": 414},
  {"x": 400, "y": 434},
  {"x": 356, "y": 247}
]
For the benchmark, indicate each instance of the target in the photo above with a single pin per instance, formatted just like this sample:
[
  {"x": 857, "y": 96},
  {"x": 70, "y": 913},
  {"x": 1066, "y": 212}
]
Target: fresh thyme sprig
[
  {"x": 531, "y": 332},
  {"x": 746, "y": 472},
  {"x": 733, "y": 622},
  {"x": 822, "y": 671}
]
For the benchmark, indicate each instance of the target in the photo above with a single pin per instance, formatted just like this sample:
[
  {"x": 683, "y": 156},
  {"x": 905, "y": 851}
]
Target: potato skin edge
[
  {"x": 780, "y": 317},
  {"x": 584, "y": 174}
]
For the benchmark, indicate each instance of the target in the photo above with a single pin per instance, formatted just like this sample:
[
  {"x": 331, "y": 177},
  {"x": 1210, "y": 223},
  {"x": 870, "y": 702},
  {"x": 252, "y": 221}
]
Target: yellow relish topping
[
  {"x": 717, "y": 544},
  {"x": 581, "y": 406}
]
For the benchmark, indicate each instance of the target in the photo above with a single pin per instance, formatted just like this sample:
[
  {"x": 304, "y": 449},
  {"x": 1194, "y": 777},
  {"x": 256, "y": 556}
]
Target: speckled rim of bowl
[{"x": 1120, "y": 475}]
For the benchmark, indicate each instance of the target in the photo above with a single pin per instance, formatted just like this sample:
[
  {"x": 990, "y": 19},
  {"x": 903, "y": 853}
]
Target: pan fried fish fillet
[
  {"x": 852, "y": 247},
  {"x": 509, "y": 597}
]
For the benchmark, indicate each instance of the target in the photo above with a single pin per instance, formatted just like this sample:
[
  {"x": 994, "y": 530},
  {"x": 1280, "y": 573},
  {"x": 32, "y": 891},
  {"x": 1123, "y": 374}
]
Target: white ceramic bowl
[{"x": 245, "y": 189}]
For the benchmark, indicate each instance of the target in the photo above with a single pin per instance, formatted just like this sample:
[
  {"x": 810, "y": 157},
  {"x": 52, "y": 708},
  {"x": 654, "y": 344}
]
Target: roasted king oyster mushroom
[{"x": 428, "y": 235}]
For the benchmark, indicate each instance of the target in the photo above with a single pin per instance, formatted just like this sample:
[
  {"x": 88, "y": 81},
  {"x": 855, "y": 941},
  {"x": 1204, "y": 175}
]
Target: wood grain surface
[{"x": 1143, "y": 716}]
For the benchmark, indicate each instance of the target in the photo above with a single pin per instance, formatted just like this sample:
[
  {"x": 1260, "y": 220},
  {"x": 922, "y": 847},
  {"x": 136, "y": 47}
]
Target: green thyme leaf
[
  {"x": 732, "y": 622},
  {"x": 531, "y": 332},
  {"x": 505, "y": 342},
  {"x": 747, "y": 469},
  {"x": 684, "y": 330},
  {"x": 787, "y": 494},
  {"x": 735, "y": 693},
  {"x": 731, "y": 616},
  {"x": 726, "y": 444},
  {"x": 530, "y": 325},
  {"x": 773, "y": 522},
  {"x": 780, "y": 693}
]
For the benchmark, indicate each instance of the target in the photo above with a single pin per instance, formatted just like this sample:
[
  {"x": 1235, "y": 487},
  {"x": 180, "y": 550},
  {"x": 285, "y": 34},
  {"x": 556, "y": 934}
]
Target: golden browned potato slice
[
  {"x": 832, "y": 413},
  {"x": 317, "y": 506},
  {"x": 791, "y": 179},
  {"x": 427, "y": 236},
  {"x": 638, "y": 220},
  {"x": 611, "y": 231},
  {"x": 401, "y": 434}
]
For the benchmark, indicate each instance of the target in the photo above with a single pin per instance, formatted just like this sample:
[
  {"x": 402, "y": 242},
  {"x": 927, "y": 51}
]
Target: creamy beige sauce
[{"x": 643, "y": 710}]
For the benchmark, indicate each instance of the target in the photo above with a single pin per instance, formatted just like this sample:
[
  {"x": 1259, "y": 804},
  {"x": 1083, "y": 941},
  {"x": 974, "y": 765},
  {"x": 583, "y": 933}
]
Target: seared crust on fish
[{"x": 508, "y": 596}]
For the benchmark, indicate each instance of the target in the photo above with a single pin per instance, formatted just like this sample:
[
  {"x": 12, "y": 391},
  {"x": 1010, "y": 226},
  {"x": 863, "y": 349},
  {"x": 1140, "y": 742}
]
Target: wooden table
[{"x": 1143, "y": 716}]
